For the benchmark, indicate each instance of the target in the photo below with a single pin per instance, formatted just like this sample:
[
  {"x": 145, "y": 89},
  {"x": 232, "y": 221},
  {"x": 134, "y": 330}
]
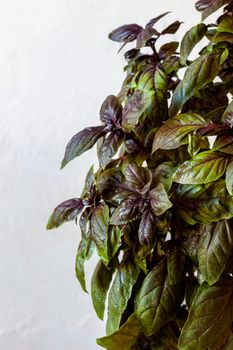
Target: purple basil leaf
[
  {"x": 126, "y": 33},
  {"x": 133, "y": 109},
  {"x": 99, "y": 231},
  {"x": 224, "y": 143},
  {"x": 90, "y": 180},
  {"x": 131, "y": 146},
  {"x": 111, "y": 111},
  {"x": 144, "y": 36},
  {"x": 66, "y": 211},
  {"x": 109, "y": 147},
  {"x": 167, "y": 50},
  {"x": 112, "y": 187},
  {"x": 84, "y": 223},
  {"x": 131, "y": 54},
  {"x": 81, "y": 142},
  {"x": 146, "y": 231},
  {"x": 159, "y": 200},
  {"x": 172, "y": 28},
  {"x": 207, "y": 7},
  {"x": 126, "y": 212},
  {"x": 137, "y": 177},
  {"x": 152, "y": 22}
]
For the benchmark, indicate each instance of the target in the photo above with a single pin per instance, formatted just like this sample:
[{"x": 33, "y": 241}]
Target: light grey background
[{"x": 56, "y": 68}]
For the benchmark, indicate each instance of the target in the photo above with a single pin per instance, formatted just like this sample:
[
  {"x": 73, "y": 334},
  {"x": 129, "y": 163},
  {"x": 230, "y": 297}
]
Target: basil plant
[{"x": 159, "y": 210}]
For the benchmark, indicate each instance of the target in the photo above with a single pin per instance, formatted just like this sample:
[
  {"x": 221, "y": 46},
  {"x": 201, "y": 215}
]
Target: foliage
[{"x": 159, "y": 210}]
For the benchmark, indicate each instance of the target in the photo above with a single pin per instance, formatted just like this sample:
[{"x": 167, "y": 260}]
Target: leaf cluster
[{"x": 159, "y": 210}]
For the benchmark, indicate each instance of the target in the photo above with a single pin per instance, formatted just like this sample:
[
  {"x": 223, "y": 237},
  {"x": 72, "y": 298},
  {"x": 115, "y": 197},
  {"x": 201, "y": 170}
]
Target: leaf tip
[
  {"x": 50, "y": 224},
  {"x": 63, "y": 163}
]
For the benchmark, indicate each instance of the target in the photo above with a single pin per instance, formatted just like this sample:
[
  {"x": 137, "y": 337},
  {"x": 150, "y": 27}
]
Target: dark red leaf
[
  {"x": 81, "y": 142},
  {"x": 127, "y": 212},
  {"x": 172, "y": 28},
  {"x": 126, "y": 33},
  {"x": 156, "y": 19},
  {"x": 147, "y": 228},
  {"x": 111, "y": 111},
  {"x": 144, "y": 36},
  {"x": 110, "y": 147},
  {"x": 137, "y": 177},
  {"x": 66, "y": 211},
  {"x": 207, "y": 7}
]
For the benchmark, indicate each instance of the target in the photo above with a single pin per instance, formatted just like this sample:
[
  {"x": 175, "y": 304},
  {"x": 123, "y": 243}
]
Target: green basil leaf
[
  {"x": 192, "y": 286},
  {"x": 84, "y": 252},
  {"x": 99, "y": 230},
  {"x": 176, "y": 265},
  {"x": 201, "y": 72},
  {"x": 157, "y": 301},
  {"x": 204, "y": 203},
  {"x": 223, "y": 143},
  {"x": 100, "y": 283},
  {"x": 81, "y": 142},
  {"x": 207, "y": 7},
  {"x": 229, "y": 344},
  {"x": 120, "y": 293},
  {"x": 205, "y": 167},
  {"x": 158, "y": 110},
  {"x": 210, "y": 316},
  {"x": 114, "y": 240},
  {"x": 163, "y": 174},
  {"x": 165, "y": 339},
  {"x": 190, "y": 237},
  {"x": 224, "y": 56},
  {"x": 149, "y": 98},
  {"x": 159, "y": 200},
  {"x": 124, "y": 338},
  {"x": 190, "y": 39},
  {"x": 174, "y": 132},
  {"x": 196, "y": 144},
  {"x": 171, "y": 65},
  {"x": 221, "y": 37},
  {"x": 215, "y": 247},
  {"x": 66, "y": 211},
  {"x": 229, "y": 178}
]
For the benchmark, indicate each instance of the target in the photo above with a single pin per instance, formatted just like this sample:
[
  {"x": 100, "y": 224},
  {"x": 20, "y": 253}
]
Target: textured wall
[{"x": 56, "y": 67}]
